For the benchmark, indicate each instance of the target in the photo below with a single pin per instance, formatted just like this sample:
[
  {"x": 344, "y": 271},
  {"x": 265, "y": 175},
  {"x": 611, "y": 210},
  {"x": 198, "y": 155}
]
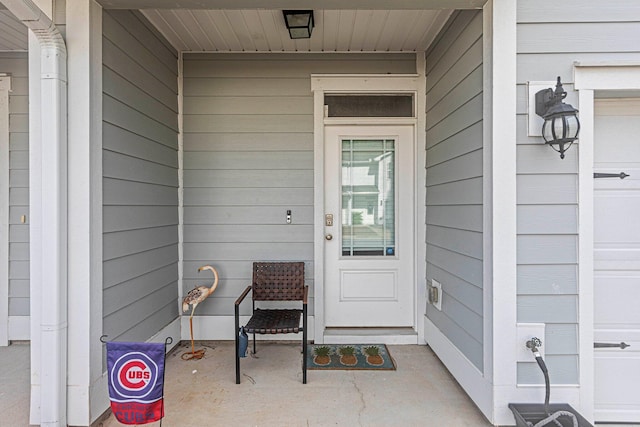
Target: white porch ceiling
[
  {"x": 262, "y": 30},
  {"x": 198, "y": 30}
]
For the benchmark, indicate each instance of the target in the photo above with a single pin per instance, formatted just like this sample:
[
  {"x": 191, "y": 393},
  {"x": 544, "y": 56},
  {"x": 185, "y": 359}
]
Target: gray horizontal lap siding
[
  {"x": 551, "y": 37},
  {"x": 140, "y": 178},
  {"x": 16, "y": 64},
  {"x": 248, "y": 158},
  {"x": 454, "y": 199}
]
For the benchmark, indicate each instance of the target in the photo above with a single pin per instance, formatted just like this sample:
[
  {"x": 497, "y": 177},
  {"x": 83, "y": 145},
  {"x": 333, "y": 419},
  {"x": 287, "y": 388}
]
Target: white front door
[
  {"x": 369, "y": 244},
  {"x": 617, "y": 260}
]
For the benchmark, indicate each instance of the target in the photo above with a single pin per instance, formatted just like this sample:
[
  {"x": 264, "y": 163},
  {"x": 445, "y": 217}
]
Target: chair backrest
[{"x": 278, "y": 281}]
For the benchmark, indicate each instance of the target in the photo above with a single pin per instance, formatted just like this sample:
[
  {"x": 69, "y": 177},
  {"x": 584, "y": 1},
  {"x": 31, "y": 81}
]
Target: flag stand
[{"x": 136, "y": 373}]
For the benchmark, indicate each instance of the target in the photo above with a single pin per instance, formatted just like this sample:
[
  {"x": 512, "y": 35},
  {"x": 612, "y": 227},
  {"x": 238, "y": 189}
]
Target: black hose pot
[
  {"x": 546, "y": 414},
  {"x": 531, "y": 414}
]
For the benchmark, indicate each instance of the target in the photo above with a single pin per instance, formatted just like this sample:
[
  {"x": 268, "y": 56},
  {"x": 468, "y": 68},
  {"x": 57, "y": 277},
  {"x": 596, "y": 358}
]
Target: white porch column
[
  {"x": 35, "y": 226},
  {"x": 87, "y": 389},
  {"x": 5, "y": 88},
  {"x": 502, "y": 199}
]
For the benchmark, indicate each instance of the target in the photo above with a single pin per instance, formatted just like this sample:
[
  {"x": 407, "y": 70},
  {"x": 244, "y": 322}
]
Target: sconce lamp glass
[
  {"x": 561, "y": 125},
  {"x": 299, "y": 23}
]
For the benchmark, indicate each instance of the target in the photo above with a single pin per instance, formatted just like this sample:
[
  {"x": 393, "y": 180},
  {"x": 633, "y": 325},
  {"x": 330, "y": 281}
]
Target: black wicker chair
[{"x": 275, "y": 281}]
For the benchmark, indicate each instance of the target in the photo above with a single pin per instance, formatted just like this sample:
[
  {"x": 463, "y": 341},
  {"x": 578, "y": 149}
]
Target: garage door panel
[
  {"x": 611, "y": 307},
  {"x": 617, "y": 261}
]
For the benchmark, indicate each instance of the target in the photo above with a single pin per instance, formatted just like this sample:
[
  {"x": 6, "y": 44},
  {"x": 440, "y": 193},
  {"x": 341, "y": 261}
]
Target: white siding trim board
[
  {"x": 181, "y": 239},
  {"x": 5, "y": 87},
  {"x": 500, "y": 208}
]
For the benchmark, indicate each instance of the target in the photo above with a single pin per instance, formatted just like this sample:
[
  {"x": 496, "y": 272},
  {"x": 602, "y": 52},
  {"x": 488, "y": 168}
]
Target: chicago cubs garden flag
[{"x": 136, "y": 381}]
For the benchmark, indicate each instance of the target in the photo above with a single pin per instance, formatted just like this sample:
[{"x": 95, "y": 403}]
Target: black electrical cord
[
  {"x": 547, "y": 386},
  {"x": 533, "y": 345}
]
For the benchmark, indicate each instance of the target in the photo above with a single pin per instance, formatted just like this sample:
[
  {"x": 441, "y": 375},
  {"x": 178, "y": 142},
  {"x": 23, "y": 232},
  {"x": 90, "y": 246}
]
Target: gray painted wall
[
  {"x": 140, "y": 178},
  {"x": 16, "y": 64},
  {"x": 551, "y": 36},
  {"x": 454, "y": 181},
  {"x": 248, "y": 157}
]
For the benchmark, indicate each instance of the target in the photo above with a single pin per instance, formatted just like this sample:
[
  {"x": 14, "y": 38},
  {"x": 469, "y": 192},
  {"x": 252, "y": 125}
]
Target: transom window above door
[{"x": 370, "y": 105}]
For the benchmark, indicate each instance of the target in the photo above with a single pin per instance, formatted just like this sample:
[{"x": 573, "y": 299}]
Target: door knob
[{"x": 328, "y": 237}]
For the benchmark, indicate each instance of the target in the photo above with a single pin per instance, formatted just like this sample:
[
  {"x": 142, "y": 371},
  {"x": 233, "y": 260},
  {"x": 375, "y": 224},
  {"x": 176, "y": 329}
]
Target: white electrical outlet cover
[{"x": 438, "y": 286}]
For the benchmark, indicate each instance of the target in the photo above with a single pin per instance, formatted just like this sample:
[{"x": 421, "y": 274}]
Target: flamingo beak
[{"x": 200, "y": 269}]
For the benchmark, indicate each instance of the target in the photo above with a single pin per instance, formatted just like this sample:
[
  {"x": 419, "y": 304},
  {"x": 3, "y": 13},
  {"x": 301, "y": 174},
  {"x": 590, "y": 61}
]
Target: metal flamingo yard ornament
[{"x": 193, "y": 298}]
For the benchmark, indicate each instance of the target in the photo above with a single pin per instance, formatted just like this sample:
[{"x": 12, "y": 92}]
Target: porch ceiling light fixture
[
  {"x": 561, "y": 125},
  {"x": 299, "y": 23}
]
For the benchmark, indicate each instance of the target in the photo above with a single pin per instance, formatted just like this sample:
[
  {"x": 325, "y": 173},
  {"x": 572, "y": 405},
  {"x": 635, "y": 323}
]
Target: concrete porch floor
[{"x": 203, "y": 393}]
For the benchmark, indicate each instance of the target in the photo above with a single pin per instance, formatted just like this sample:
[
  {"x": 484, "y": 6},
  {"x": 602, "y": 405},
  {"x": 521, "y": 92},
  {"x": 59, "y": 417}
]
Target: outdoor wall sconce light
[
  {"x": 299, "y": 23},
  {"x": 561, "y": 125}
]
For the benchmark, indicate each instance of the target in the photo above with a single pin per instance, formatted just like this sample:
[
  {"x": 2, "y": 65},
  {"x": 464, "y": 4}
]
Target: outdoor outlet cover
[{"x": 437, "y": 301}]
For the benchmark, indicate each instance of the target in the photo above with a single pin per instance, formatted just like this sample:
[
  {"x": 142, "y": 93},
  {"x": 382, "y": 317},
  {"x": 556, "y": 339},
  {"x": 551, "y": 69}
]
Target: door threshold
[{"x": 334, "y": 335}]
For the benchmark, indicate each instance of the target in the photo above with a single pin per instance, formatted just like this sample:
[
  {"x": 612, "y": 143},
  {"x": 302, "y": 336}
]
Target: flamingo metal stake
[{"x": 193, "y": 298}]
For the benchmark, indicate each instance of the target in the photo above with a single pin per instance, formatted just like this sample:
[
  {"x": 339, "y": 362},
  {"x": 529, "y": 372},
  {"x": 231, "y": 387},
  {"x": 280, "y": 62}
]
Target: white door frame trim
[
  {"x": 364, "y": 83},
  {"x": 5, "y": 88},
  {"x": 588, "y": 78}
]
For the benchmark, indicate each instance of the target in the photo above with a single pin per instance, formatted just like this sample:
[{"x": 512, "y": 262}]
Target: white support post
[
  {"x": 318, "y": 215},
  {"x": 586, "y": 302},
  {"x": 53, "y": 359},
  {"x": 420, "y": 224},
  {"x": 503, "y": 205},
  {"x": 35, "y": 226},
  {"x": 5, "y": 88},
  {"x": 87, "y": 388}
]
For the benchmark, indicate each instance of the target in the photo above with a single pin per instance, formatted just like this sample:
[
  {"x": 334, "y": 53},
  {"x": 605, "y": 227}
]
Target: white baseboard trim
[
  {"x": 78, "y": 412},
  {"x": 34, "y": 405},
  {"x": 100, "y": 402},
  {"x": 391, "y": 336},
  {"x": 222, "y": 328},
  {"x": 171, "y": 330},
  {"x": 373, "y": 339},
  {"x": 468, "y": 376},
  {"x": 19, "y": 328}
]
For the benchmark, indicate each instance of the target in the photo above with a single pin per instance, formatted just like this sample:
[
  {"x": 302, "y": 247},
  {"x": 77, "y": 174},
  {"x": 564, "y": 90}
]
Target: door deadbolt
[{"x": 328, "y": 220}]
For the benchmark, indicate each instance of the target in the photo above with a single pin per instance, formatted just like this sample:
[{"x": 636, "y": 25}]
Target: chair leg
[
  {"x": 235, "y": 333},
  {"x": 304, "y": 359},
  {"x": 254, "y": 343},
  {"x": 304, "y": 346}
]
